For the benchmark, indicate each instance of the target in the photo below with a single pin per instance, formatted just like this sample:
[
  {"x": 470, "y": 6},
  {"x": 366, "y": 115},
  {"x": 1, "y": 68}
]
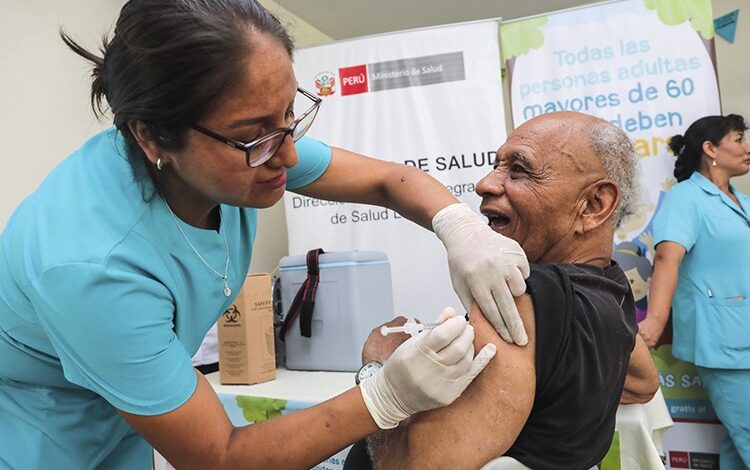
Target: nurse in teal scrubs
[
  {"x": 112, "y": 271},
  {"x": 702, "y": 270}
]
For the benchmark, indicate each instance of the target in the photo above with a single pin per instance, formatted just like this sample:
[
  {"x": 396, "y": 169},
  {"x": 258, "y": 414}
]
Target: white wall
[
  {"x": 304, "y": 33},
  {"x": 734, "y": 68},
  {"x": 44, "y": 89}
]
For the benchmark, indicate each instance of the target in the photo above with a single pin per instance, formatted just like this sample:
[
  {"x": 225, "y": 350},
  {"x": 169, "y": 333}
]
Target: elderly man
[{"x": 562, "y": 184}]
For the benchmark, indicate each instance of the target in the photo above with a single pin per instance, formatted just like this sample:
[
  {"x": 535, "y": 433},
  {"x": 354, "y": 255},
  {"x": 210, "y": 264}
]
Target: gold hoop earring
[{"x": 160, "y": 166}]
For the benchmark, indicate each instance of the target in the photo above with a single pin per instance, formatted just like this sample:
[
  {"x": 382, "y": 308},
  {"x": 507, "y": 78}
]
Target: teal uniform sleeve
[
  {"x": 113, "y": 331},
  {"x": 314, "y": 158},
  {"x": 678, "y": 219}
]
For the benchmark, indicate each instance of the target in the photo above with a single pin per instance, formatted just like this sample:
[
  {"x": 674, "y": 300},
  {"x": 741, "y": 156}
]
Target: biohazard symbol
[{"x": 232, "y": 314}]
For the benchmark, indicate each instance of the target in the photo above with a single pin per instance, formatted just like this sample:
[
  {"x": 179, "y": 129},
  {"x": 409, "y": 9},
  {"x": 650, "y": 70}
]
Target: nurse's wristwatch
[{"x": 367, "y": 370}]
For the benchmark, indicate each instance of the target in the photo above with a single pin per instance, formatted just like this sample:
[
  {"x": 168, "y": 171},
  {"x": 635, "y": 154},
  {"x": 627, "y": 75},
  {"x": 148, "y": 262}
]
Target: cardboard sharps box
[{"x": 246, "y": 343}]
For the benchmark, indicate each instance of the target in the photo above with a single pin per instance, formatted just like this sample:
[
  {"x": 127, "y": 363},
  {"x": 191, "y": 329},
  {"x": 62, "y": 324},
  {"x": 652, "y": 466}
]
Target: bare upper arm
[
  {"x": 195, "y": 435},
  {"x": 486, "y": 420},
  {"x": 642, "y": 379},
  {"x": 669, "y": 252}
]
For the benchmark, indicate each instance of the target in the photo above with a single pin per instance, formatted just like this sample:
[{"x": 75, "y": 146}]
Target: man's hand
[
  {"x": 379, "y": 347},
  {"x": 486, "y": 268}
]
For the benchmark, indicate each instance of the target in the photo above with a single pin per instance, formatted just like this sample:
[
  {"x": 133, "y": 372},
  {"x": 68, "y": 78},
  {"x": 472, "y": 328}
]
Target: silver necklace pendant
[{"x": 224, "y": 277}]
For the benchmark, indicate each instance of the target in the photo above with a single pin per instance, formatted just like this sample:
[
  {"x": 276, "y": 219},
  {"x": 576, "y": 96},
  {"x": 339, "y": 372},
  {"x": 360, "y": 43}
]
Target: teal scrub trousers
[{"x": 728, "y": 390}]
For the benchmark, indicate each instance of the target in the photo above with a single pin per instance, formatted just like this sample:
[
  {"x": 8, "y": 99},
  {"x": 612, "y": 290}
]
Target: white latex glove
[
  {"x": 486, "y": 268},
  {"x": 428, "y": 371}
]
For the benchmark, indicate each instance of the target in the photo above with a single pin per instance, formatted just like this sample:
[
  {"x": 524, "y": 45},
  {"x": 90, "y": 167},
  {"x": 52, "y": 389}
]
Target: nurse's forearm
[
  {"x": 664, "y": 281},
  {"x": 304, "y": 438},
  {"x": 199, "y": 435},
  {"x": 416, "y": 195},
  {"x": 411, "y": 192}
]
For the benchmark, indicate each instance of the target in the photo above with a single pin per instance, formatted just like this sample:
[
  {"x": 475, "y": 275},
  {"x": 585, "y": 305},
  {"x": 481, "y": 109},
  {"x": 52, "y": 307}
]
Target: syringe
[{"x": 411, "y": 327}]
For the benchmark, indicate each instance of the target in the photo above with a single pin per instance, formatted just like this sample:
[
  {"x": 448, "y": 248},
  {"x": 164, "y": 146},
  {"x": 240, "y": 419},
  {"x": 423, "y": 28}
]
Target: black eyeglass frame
[{"x": 247, "y": 147}]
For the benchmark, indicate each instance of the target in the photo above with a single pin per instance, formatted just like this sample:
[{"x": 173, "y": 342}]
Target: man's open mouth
[{"x": 497, "y": 222}]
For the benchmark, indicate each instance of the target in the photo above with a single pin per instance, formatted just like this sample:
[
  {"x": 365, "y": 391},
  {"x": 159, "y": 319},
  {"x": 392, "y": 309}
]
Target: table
[{"x": 303, "y": 386}]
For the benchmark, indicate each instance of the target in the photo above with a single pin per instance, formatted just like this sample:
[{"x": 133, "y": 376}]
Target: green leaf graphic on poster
[
  {"x": 519, "y": 37},
  {"x": 260, "y": 408},
  {"x": 678, "y": 379},
  {"x": 674, "y": 12}
]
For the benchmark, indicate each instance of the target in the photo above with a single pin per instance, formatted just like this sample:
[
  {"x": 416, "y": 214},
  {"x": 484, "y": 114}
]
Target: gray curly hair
[{"x": 621, "y": 163}]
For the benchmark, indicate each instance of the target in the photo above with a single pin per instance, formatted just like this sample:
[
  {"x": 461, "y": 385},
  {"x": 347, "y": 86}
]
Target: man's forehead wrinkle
[
  {"x": 530, "y": 140},
  {"x": 573, "y": 146},
  {"x": 551, "y": 136},
  {"x": 564, "y": 137},
  {"x": 577, "y": 158}
]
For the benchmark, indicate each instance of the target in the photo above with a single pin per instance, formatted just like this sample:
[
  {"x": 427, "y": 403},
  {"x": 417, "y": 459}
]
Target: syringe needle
[{"x": 411, "y": 327}]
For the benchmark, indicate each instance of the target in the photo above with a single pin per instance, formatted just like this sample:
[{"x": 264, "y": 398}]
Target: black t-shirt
[{"x": 585, "y": 332}]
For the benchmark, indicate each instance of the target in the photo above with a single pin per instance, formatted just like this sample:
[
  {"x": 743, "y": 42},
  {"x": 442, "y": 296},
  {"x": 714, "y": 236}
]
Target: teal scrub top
[
  {"x": 711, "y": 306},
  {"x": 101, "y": 297}
]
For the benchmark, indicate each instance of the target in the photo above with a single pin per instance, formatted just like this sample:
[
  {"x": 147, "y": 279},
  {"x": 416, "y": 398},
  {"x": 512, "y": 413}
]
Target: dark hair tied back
[
  {"x": 689, "y": 148},
  {"x": 676, "y": 144},
  {"x": 169, "y": 62}
]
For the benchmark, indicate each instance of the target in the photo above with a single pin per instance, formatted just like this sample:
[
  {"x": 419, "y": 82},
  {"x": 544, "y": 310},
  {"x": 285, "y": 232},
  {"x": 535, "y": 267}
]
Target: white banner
[
  {"x": 648, "y": 67},
  {"x": 650, "y": 72},
  {"x": 431, "y": 98}
]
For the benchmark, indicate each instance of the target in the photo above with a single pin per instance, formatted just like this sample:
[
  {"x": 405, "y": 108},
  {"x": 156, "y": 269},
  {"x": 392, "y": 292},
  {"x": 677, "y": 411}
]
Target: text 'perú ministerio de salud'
[{"x": 402, "y": 73}]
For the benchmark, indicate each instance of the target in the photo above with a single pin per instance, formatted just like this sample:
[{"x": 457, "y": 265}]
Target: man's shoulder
[
  {"x": 551, "y": 289},
  {"x": 549, "y": 279},
  {"x": 570, "y": 297},
  {"x": 575, "y": 276}
]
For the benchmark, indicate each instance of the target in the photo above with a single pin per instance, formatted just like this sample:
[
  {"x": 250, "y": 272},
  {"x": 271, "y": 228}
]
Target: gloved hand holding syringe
[
  {"x": 422, "y": 373},
  {"x": 411, "y": 327}
]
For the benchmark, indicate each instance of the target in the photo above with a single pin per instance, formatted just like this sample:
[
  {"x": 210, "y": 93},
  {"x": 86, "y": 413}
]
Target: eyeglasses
[{"x": 264, "y": 147}]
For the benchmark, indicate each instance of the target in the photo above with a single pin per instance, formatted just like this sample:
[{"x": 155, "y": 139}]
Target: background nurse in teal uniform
[
  {"x": 702, "y": 270},
  {"x": 112, "y": 271}
]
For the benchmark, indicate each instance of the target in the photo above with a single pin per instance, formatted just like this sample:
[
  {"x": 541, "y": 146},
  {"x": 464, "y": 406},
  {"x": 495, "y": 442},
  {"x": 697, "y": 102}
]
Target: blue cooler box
[{"x": 354, "y": 296}]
